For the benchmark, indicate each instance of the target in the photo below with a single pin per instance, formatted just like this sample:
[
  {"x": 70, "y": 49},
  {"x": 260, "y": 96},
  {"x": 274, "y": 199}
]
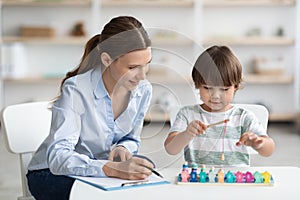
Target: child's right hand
[
  {"x": 195, "y": 128},
  {"x": 134, "y": 168}
]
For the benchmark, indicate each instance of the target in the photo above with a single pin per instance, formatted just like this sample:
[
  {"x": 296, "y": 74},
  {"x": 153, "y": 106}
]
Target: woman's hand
[
  {"x": 195, "y": 128},
  {"x": 119, "y": 153},
  {"x": 251, "y": 139},
  {"x": 132, "y": 169}
]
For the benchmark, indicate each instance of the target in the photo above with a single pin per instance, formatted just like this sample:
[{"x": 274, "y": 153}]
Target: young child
[{"x": 217, "y": 74}]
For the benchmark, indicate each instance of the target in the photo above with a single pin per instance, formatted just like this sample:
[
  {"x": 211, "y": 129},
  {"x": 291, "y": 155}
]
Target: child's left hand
[{"x": 251, "y": 139}]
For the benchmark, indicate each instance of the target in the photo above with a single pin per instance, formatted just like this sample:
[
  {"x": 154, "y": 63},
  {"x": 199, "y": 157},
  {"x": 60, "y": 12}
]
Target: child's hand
[
  {"x": 195, "y": 128},
  {"x": 119, "y": 153},
  {"x": 251, "y": 139}
]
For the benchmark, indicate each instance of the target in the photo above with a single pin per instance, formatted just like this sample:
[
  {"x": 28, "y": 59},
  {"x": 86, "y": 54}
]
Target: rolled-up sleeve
[{"x": 131, "y": 141}]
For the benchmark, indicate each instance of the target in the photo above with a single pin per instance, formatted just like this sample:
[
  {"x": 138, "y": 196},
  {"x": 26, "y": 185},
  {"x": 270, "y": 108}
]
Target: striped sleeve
[{"x": 180, "y": 122}]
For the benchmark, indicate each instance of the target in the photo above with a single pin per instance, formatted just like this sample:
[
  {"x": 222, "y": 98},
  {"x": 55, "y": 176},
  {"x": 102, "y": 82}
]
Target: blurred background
[{"x": 41, "y": 40}]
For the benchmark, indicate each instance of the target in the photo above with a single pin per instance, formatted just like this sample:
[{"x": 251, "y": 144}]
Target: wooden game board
[{"x": 225, "y": 184}]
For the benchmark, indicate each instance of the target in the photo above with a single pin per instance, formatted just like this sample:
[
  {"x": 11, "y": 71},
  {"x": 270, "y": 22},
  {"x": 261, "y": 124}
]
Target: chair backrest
[
  {"x": 25, "y": 126},
  {"x": 260, "y": 112}
]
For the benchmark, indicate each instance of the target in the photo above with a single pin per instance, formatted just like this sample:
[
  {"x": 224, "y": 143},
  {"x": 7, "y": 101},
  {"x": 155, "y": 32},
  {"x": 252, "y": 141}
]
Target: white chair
[
  {"x": 260, "y": 112},
  {"x": 25, "y": 126}
]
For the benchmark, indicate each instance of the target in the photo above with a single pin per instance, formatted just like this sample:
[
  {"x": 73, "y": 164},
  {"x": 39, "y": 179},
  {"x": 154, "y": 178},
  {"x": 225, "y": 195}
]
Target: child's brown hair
[{"x": 217, "y": 66}]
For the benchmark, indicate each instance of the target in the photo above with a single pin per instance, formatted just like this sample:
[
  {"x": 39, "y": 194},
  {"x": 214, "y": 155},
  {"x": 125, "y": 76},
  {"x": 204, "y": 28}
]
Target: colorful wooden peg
[
  {"x": 193, "y": 175},
  {"x": 212, "y": 175},
  {"x": 258, "y": 178},
  {"x": 221, "y": 176},
  {"x": 267, "y": 177},
  {"x": 239, "y": 177},
  {"x": 203, "y": 178},
  {"x": 249, "y": 178},
  {"x": 179, "y": 178},
  {"x": 185, "y": 176},
  {"x": 230, "y": 177},
  {"x": 203, "y": 167}
]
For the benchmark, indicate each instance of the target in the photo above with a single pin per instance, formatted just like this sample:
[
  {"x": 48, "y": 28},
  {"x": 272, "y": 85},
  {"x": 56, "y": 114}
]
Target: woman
[{"x": 97, "y": 119}]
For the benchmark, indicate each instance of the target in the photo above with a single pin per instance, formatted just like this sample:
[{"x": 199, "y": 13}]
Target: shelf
[
  {"x": 157, "y": 117},
  {"x": 268, "y": 79},
  {"x": 281, "y": 117},
  {"x": 215, "y": 3},
  {"x": 255, "y": 41},
  {"x": 153, "y": 116},
  {"x": 169, "y": 79},
  {"x": 46, "y": 3},
  {"x": 150, "y": 3},
  {"x": 40, "y": 40},
  {"x": 171, "y": 41},
  {"x": 249, "y": 79},
  {"x": 152, "y": 79},
  {"x": 69, "y": 40},
  {"x": 31, "y": 80},
  {"x": 157, "y": 41}
]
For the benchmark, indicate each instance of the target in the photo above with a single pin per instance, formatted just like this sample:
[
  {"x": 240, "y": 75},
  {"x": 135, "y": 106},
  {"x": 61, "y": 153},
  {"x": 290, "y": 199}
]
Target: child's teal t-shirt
[{"x": 207, "y": 149}]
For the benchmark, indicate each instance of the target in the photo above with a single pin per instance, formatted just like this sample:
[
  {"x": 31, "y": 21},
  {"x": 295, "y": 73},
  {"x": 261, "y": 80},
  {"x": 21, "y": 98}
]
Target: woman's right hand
[
  {"x": 195, "y": 128},
  {"x": 132, "y": 169}
]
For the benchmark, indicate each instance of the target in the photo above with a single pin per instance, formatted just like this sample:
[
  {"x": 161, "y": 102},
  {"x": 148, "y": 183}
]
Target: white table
[{"x": 286, "y": 187}]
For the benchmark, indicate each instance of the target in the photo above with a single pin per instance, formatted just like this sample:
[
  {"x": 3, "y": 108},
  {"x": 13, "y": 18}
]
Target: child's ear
[{"x": 106, "y": 59}]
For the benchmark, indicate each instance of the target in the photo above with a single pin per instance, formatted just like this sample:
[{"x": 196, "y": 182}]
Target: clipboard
[{"x": 110, "y": 184}]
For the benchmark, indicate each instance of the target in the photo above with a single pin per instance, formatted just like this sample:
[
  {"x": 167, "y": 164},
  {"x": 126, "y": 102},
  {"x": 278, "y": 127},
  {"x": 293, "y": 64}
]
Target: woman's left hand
[{"x": 119, "y": 153}]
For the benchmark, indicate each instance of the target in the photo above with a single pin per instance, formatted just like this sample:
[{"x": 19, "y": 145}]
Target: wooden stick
[{"x": 217, "y": 123}]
